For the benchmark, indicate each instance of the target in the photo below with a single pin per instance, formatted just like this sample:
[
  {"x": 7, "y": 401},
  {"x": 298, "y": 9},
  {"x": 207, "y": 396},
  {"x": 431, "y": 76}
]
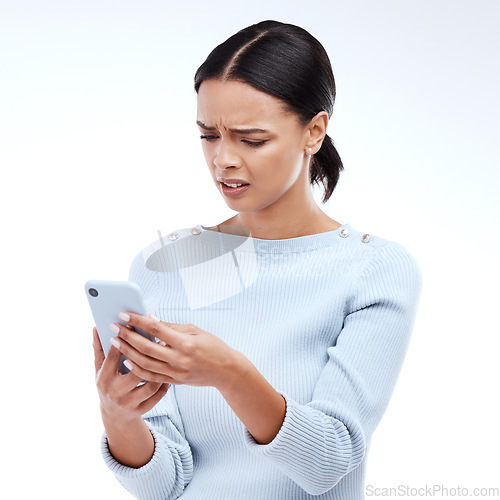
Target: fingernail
[
  {"x": 115, "y": 342},
  {"x": 128, "y": 364},
  {"x": 124, "y": 317},
  {"x": 114, "y": 328},
  {"x": 154, "y": 318}
]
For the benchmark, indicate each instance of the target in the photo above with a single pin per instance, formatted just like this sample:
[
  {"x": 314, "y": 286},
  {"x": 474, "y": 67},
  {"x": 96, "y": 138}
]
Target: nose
[{"x": 226, "y": 156}]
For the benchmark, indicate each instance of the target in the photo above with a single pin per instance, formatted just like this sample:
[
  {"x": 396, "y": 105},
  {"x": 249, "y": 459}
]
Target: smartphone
[{"x": 107, "y": 299}]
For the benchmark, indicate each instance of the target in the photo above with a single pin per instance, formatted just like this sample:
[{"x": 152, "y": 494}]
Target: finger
[
  {"x": 141, "y": 392},
  {"x": 159, "y": 329},
  {"x": 145, "y": 391},
  {"x": 144, "y": 374},
  {"x": 98, "y": 351},
  {"x": 111, "y": 363},
  {"x": 147, "y": 404},
  {"x": 180, "y": 327},
  {"x": 176, "y": 326},
  {"x": 110, "y": 376},
  {"x": 149, "y": 365},
  {"x": 140, "y": 349}
]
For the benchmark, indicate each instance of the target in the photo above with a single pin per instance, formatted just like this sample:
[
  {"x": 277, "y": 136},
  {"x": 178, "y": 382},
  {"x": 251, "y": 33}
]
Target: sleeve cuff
[
  {"x": 312, "y": 448},
  {"x": 130, "y": 472}
]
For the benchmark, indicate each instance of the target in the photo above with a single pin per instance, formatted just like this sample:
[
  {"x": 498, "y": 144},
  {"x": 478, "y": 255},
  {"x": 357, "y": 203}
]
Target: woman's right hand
[{"x": 121, "y": 397}]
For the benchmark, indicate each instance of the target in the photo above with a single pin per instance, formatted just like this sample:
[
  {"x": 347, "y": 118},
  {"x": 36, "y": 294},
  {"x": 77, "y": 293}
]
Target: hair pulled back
[{"x": 287, "y": 62}]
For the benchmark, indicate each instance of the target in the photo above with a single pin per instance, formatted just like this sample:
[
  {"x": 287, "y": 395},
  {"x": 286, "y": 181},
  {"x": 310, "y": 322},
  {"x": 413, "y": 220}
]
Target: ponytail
[{"x": 325, "y": 167}]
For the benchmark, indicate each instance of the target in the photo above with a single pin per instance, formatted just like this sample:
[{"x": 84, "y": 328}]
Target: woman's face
[{"x": 248, "y": 135}]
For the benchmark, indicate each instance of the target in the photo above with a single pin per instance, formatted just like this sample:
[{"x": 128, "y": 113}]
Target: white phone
[{"x": 107, "y": 299}]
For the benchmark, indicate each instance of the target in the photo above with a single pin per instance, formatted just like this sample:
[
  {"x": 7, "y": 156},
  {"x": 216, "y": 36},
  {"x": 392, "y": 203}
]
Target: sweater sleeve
[
  {"x": 171, "y": 467},
  {"x": 322, "y": 441}
]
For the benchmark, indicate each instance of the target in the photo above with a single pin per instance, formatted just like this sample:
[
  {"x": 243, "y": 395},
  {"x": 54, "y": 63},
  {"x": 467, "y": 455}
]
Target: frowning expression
[{"x": 250, "y": 136}]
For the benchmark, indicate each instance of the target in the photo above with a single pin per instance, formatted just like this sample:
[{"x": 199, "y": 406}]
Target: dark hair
[{"x": 287, "y": 62}]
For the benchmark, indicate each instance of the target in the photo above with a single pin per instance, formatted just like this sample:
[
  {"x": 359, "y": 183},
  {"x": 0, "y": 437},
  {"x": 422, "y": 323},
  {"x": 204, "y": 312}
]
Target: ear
[{"x": 316, "y": 132}]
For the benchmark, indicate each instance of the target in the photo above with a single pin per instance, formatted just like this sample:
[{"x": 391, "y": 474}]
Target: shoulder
[
  {"x": 388, "y": 268},
  {"x": 365, "y": 239},
  {"x": 377, "y": 248}
]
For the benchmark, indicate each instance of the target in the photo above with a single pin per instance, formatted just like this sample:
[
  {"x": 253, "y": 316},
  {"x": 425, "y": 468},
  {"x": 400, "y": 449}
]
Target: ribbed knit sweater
[{"x": 326, "y": 319}]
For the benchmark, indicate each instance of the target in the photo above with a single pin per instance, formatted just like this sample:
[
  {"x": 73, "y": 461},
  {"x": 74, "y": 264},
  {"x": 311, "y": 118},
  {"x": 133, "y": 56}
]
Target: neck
[{"x": 299, "y": 222}]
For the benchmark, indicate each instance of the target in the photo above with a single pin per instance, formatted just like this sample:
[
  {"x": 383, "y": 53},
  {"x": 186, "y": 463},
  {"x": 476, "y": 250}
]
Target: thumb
[{"x": 98, "y": 351}]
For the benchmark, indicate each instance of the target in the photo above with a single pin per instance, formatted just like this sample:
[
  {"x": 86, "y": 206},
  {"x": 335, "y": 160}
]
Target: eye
[
  {"x": 254, "y": 144},
  {"x": 208, "y": 137}
]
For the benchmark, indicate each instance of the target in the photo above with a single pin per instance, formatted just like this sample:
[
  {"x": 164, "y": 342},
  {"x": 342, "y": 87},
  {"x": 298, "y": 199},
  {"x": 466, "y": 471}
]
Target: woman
[{"x": 283, "y": 331}]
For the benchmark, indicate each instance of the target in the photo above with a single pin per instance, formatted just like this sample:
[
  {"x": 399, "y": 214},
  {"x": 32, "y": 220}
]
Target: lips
[
  {"x": 232, "y": 181},
  {"x": 233, "y": 192}
]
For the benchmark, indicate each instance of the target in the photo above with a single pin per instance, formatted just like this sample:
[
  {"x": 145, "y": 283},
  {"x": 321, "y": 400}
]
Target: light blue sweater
[{"x": 326, "y": 319}]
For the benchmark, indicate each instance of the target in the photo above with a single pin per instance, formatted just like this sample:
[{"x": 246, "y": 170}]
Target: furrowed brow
[
  {"x": 241, "y": 131},
  {"x": 204, "y": 127},
  {"x": 248, "y": 131}
]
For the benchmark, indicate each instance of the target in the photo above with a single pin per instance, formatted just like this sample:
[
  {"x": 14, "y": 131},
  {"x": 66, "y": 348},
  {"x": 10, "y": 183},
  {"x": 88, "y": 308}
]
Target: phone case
[{"x": 107, "y": 299}]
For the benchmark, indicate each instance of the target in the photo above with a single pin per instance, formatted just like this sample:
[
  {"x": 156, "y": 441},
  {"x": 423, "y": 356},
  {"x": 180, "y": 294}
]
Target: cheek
[
  {"x": 281, "y": 162},
  {"x": 267, "y": 176}
]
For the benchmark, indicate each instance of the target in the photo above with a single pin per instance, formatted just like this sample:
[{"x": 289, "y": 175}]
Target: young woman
[{"x": 281, "y": 332}]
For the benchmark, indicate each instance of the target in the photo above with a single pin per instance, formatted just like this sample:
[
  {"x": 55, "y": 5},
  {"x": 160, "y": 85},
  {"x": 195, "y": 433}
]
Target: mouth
[
  {"x": 233, "y": 189},
  {"x": 233, "y": 183}
]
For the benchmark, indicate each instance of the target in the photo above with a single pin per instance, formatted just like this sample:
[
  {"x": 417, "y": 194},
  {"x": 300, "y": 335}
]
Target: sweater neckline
[{"x": 258, "y": 245}]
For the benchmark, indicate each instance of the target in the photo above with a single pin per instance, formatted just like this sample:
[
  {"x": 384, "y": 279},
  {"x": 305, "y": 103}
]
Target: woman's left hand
[{"x": 190, "y": 355}]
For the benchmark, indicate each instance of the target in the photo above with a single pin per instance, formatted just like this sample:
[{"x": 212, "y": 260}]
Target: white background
[{"x": 99, "y": 150}]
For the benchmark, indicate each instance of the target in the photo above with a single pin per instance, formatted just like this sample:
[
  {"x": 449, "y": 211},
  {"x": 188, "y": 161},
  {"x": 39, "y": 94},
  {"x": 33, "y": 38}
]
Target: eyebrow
[{"x": 236, "y": 130}]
